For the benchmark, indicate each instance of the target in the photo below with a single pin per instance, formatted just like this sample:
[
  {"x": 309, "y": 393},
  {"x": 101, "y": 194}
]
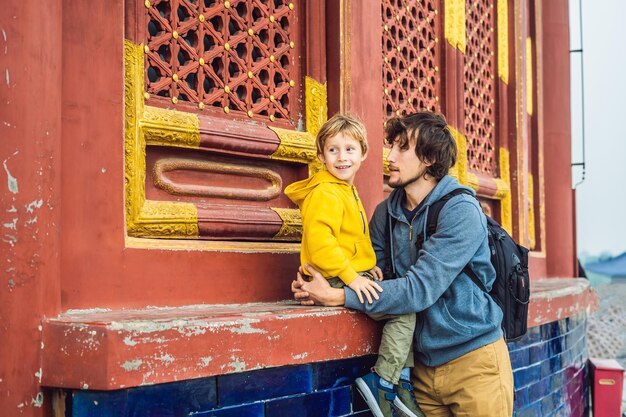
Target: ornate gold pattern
[
  {"x": 175, "y": 188},
  {"x": 292, "y": 224},
  {"x": 170, "y": 128},
  {"x": 531, "y": 212},
  {"x": 503, "y": 40},
  {"x": 386, "y": 151},
  {"x": 506, "y": 215},
  {"x": 294, "y": 146},
  {"x": 316, "y": 105},
  {"x": 529, "y": 76},
  {"x": 454, "y": 28},
  {"x": 146, "y": 218},
  {"x": 459, "y": 170}
]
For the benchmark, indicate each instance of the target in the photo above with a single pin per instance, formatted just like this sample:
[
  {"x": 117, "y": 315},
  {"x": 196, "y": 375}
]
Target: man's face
[{"x": 405, "y": 168}]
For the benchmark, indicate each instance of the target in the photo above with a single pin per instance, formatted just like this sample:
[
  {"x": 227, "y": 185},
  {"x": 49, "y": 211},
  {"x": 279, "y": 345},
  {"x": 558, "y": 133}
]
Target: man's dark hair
[{"x": 429, "y": 131}]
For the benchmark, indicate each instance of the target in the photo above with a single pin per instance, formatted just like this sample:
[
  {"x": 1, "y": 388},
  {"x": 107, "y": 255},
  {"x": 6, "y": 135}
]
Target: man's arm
[
  {"x": 317, "y": 291},
  {"x": 443, "y": 257}
]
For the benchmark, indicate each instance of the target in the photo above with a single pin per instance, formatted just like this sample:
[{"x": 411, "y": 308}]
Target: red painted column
[
  {"x": 555, "y": 98},
  {"x": 30, "y": 128}
]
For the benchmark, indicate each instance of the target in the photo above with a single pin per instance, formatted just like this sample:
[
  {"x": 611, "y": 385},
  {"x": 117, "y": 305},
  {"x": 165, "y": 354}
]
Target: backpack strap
[
  {"x": 435, "y": 208},
  {"x": 431, "y": 227},
  {"x": 390, "y": 223}
]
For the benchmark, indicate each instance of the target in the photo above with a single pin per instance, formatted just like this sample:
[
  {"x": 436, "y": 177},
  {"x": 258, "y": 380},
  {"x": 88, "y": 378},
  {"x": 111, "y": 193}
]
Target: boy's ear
[
  {"x": 364, "y": 156},
  {"x": 320, "y": 156}
]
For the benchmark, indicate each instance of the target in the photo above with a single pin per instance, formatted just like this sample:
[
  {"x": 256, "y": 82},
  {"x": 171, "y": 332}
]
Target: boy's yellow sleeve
[{"x": 322, "y": 219}]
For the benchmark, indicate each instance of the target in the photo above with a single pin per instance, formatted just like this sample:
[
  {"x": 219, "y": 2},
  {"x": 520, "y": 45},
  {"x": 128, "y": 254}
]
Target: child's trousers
[{"x": 396, "y": 344}]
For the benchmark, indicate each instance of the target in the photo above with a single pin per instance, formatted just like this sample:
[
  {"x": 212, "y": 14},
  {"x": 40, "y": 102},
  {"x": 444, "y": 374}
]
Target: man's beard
[{"x": 403, "y": 183}]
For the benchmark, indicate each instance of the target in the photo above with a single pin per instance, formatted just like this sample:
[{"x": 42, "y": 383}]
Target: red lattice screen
[
  {"x": 411, "y": 55},
  {"x": 479, "y": 91},
  {"x": 233, "y": 55}
]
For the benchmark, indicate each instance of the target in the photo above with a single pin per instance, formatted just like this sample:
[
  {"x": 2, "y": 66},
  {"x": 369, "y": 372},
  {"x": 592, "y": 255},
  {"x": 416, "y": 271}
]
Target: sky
[{"x": 601, "y": 196}]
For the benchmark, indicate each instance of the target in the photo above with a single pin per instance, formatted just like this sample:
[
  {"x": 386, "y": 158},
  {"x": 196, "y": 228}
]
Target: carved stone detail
[
  {"x": 166, "y": 219},
  {"x": 294, "y": 146},
  {"x": 316, "y": 105},
  {"x": 503, "y": 40},
  {"x": 454, "y": 22}
]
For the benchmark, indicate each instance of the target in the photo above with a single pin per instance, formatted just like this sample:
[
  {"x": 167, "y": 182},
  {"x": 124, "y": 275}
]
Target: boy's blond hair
[{"x": 342, "y": 123}]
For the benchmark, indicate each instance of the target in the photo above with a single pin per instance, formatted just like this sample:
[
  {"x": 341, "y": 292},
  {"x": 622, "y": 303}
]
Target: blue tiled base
[{"x": 549, "y": 368}]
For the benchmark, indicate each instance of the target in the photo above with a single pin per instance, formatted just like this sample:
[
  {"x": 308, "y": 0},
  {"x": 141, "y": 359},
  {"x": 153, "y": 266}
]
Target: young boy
[{"x": 336, "y": 242}]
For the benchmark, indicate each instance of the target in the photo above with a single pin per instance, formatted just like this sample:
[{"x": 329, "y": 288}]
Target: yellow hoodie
[{"x": 336, "y": 236}]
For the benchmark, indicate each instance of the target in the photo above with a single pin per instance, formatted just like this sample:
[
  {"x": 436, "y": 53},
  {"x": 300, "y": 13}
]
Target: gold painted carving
[
  {"x": 294, "y": 146},
  {"x": 454, "y": 23},
  {"x": 386, "y": 151},
  {"x": 531, "y": 212},
  {"x": 506, "y": 215},
  {"x": 174, "y": 164},
  {"x": 170, "y": 128},
  {"x": 503, "y": 40},
  {"x": 292, "y": 224},
  {"x": 316, "y": 105},
  {"x": 146, "y": 218},
  {"x": 529, "y": 76},
  {"x": 459, "y": 170}
]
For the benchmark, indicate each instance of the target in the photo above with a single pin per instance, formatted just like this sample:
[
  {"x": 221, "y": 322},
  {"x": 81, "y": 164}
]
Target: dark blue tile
[
  {"x": 532, "y": 410},
  {"x": 538, "y": 352},
  {"x": 519, "y": 358},
  {"x": 328, "y": 403},
  {"x": 341, "y": 373},
  {"x": 99, "y": 403},
  {"x": 264, "y": 384},
  {"x": 527, "y": 376},
  {"x": 555, "y": 363},
  {"x": 550, "y": 330},
  {"x": 539, "y": 390},
  {"x": 556, "y": 345},
  {"x": 366, "y": 413},
  {"x": 173, "y": 399},
  {"x": 521, "y": 399},
  {"x": 246, "y": 410}
]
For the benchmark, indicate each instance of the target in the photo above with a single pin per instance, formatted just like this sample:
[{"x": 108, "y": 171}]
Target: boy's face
[{"x": 342, "y": 156}]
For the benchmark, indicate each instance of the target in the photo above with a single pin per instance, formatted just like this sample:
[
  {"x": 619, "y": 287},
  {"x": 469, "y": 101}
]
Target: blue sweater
[{"x": 454, "y": 316}]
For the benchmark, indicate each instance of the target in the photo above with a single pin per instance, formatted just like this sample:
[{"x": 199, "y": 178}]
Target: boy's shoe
[
  {"x": 378, "y": 398},
  {"x": 405, "y": 400}
]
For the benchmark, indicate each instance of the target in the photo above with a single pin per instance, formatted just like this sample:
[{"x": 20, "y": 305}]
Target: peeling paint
[
  {"x": 205, "y": 361},
  {"x": 8, "y": 78},
  {"x": 129, "y": 342},
  {"x": 38, "y": 401},
  {"x": 38, "y": 375},
  {"x": 10, "y": 239},
  {"x": 167, "y": 358},
  {"x": 237, "y": 364},
  {"x": 30, "y": 208},
  {"x": 12, "y": 209},
  {"x": 300, "y": 356},
  {"x": 12, "y": 225},
  {"x": 12, "y": 181},
  {"x": 132, "y": 365}
]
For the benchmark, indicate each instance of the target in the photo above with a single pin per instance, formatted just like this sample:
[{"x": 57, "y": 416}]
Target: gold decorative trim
[
  {"x": 386, "y": 152},
  {"x": 215, "y": 246},
  {"x": 459, "y": 170},
  {"x": 531, "y": 212},
  {"x": 292, "y": 224},
  {"x": 503, "y": 40},
  {"x": 454, "y": 23},
  {"x": 146, "y": 218},
  {"x": 529, "y": 76},
  {"x": 294, "y": 146},
  {"x": 506, "y": 215},
  {"x": 316, "y": 105},
  {"x": 170, "y": 128}
]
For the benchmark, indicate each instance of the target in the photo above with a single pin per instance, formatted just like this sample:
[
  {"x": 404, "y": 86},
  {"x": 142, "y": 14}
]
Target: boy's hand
[
  {"x": 377, "y": 273},
  {"x": 363, "y": 286}
]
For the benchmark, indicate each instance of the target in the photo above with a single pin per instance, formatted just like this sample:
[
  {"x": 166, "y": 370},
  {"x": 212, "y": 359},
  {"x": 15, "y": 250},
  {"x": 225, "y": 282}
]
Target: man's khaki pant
[
  {"x": 479, "y": 383},
  {"x": 396, "y": 344}
]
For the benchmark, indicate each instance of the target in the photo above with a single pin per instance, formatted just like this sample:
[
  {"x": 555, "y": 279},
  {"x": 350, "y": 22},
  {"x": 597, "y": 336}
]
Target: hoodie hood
[{"x": 298, "y": 191}]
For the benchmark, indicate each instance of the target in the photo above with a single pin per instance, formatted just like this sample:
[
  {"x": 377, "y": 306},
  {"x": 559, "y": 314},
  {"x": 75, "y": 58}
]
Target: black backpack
[{"x": 511, "y": 289}]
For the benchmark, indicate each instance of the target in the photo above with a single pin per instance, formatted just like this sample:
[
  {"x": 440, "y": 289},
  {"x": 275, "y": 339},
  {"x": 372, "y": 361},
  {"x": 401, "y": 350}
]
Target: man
[{"x": 462, "y": 362}]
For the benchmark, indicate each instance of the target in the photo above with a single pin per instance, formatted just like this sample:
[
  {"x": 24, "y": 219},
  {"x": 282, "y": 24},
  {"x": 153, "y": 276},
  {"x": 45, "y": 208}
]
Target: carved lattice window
[
  {"x": 479, "y": 91},
  {"x": 411, "y": 55},
  {"x": 228, "y": 56}
]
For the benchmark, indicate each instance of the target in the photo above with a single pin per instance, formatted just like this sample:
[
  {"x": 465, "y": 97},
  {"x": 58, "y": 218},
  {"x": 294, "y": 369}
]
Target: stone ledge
[{"x": 105, "y": 350}]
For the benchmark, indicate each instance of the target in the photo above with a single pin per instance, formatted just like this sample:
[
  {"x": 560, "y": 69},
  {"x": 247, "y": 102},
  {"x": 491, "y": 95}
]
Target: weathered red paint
[
  {"x": 106, "y": 350},
  {"x": 116, "y": 349},
  {"x": 30, "y": 157}
]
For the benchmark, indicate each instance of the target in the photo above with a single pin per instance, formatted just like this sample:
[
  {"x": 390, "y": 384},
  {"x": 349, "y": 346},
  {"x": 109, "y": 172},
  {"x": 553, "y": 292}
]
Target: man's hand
[
  {"x": 363, "y": 286},
  {"x": 317, "y": 291},
  {"x": 377, "y": 273}
]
